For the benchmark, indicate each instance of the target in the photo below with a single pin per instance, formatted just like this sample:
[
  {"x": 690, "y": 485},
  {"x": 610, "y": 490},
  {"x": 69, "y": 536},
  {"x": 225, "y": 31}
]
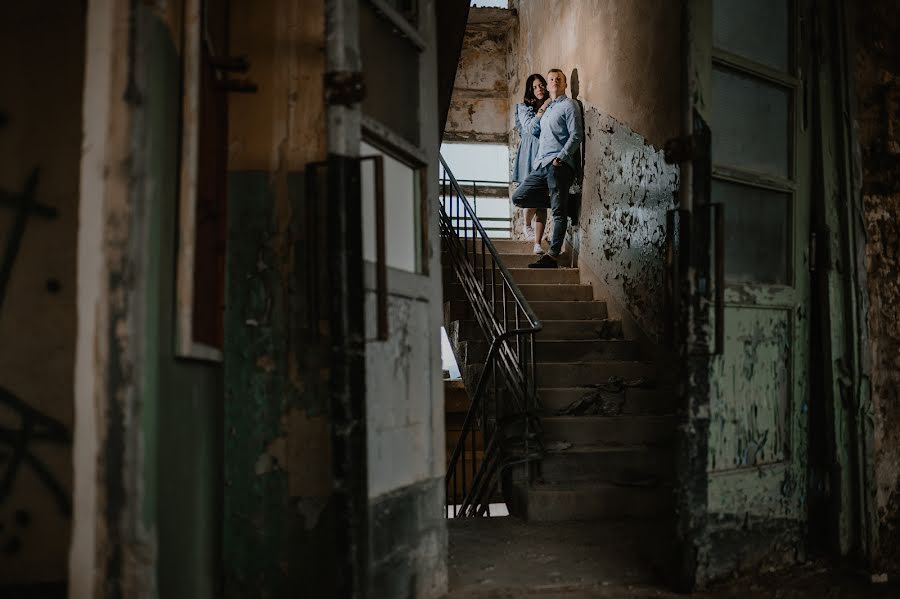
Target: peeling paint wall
[
  {"x": 40, "y": 128},
  {"x": 404, "y": 387},
  {"x": 621, "y": 237},
  {"x": 147, "y": 458},
  {"x": 279, "y": 512},
  {"x": 106, "y": 117},
  {"x": 480, "y": 103},
  {"x": 622, "y": 60},
  {"x": 182, "y": 409},
  {"x": 877, "y": 64},
  {"x": 404, "y": 420}
]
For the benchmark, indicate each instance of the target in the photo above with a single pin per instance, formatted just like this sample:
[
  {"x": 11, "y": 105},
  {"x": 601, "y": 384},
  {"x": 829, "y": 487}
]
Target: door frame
[
  {"x": 836, "y": 200},
  {"x": 347, "y": 394},
  {"x": 347, "y": 127},
  {"x": 843, "y": 372}
]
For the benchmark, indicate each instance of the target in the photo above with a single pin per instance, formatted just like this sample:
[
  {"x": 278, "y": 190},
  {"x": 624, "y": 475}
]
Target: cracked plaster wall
[
  {"x": 622, "y": 62},
  {"x": 877, "y": 63},
  {"x": 280, "y": 528},
  {"x": 479, "y": 104},
  {"x": 406, "y": 462},
  {"x": 628, "y": 188},
  {"x": 404, "y": 395}
]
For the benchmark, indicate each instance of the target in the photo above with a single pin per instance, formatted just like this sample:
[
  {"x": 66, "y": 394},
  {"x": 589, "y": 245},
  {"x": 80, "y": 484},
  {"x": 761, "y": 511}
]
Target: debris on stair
[
  {"x": 557, "y": 446},
  {"x": 606, "y": 399}
]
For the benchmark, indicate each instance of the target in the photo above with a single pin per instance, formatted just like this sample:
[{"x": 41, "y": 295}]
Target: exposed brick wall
[
  {"x": 479, "y": 105},
  {"x": 878, "y": 95}
]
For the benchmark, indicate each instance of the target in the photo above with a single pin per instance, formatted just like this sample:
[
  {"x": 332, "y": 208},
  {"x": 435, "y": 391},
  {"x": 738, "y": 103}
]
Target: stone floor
[{"x": 504, "y": 558}]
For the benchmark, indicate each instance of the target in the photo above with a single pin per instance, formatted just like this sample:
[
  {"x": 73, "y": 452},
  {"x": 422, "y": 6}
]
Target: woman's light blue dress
[{"x": 528, "y": 143}]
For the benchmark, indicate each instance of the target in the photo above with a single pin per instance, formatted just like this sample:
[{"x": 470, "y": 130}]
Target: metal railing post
[{"x": 509, "y": 371}]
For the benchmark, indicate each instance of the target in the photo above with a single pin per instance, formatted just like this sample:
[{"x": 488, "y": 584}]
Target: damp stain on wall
[
  {"x": 479, "y": 104},
  {"x": 628, "y": 188},
  {"x": 878, "y": 100}
]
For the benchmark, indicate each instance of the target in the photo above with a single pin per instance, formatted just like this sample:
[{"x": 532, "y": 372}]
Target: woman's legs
[
  {"x": 529, "y": 216},
  {"x": 540, "y": 220}
]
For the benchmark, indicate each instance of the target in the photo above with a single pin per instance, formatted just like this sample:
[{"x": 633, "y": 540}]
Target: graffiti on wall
[{"x": 33, "y": 428}]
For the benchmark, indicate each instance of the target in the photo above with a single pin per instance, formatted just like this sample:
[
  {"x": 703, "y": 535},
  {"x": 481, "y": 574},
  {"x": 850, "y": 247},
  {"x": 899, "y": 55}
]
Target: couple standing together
[{"x": 551, "y": 129}]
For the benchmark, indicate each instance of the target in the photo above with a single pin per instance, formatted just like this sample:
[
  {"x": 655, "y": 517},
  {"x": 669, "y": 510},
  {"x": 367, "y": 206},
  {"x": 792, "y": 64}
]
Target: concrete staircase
[{"x": 612, "y": 459}]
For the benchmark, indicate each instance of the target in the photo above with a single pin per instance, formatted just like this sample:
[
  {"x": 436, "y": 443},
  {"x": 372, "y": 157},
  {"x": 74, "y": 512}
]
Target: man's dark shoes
[{"x": 545, "y": 261}]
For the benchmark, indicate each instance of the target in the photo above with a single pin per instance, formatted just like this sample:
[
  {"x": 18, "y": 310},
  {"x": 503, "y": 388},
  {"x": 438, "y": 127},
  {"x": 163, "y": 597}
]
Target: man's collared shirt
[{"x": 559, "y": 132}]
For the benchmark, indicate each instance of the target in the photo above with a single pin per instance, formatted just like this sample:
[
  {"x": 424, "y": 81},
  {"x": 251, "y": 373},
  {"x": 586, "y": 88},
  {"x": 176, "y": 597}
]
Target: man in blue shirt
[{"x": 559, "y": 131}]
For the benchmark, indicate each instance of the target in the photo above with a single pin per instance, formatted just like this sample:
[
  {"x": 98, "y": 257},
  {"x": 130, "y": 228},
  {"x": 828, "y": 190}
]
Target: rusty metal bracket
[
  {"x": 678, "y": 233},
  {"x": 344, "y": 88},
  {"x": 224, "y": 65},
  {"x": 718, "y": 224},
  {"x": 381, "y": 284}
]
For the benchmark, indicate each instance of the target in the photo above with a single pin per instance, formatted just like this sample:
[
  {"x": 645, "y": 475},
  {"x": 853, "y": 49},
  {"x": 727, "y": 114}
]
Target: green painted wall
[
  {"x": 279, "y": 534},
  {"x": 182, "y": 414}
]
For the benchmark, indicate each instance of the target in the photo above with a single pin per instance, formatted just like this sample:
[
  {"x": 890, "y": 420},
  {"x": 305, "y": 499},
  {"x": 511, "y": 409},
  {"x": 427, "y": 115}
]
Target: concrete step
[
  {"x": 632, "y": 401},
  {"x": 589, "y": 501},
  {"x": 554, "y": 330},
  {"x": 545, "y": 310},
  {"x": 585, "y": 374},
  {"x": 507, "y": 246},
  {"x": 556, "y": 352},
  {"x": 532, "y": 293},
  {"x": 530, "y": 276},
  {"x": 523, "y": 260},
  {"x": 460, "y": 309},
  {"x": 610, "y": 430},
  {"x": 527, "y": 276},
  {"x": 509, "y": 260},
  {"x": 635, "y": 465}
]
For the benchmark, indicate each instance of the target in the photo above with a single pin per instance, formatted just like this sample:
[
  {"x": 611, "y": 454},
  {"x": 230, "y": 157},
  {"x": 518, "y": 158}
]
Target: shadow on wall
[
  {"x": 574, "y": 207},
  {"x": 617, "y": 208}
]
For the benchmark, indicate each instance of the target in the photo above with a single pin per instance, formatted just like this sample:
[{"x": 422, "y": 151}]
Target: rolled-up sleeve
[
  {"x": 576, "y": 133},
  {"x": 528, "y": 121}
]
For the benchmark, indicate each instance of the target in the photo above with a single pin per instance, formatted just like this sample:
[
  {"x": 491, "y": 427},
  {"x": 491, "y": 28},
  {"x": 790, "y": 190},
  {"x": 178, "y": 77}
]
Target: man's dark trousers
[{"x": 533, "y": 193}]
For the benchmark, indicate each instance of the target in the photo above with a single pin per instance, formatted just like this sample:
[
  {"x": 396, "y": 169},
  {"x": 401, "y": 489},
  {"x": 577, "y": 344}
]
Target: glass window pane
[
  {"x": 489, "y": 165},
  {"x": 757, "y": 233},
  {"x": 391, "y": 72},
  {"x": 755, "y": 29},
  {"x": 480, "y": 161},
  {"x": 401, "y": 208},
  {"x": 750, "y": 124}
]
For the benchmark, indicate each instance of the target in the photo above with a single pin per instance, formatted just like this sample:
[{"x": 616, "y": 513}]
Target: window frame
[{"x": 193, "y": 31}]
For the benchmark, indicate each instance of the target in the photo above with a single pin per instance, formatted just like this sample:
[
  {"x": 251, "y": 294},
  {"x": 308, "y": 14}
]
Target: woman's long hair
[{"x": 530, "y": 99}]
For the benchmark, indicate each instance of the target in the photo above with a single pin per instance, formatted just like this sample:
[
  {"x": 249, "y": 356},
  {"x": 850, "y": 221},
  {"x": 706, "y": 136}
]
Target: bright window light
[
  {"x": 448, "y": 360},
  {"x": 482, "y": 162}
]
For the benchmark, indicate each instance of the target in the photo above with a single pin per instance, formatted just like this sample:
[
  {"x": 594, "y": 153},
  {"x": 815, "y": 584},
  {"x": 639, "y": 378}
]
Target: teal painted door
[{"x": 747, "y": 84}]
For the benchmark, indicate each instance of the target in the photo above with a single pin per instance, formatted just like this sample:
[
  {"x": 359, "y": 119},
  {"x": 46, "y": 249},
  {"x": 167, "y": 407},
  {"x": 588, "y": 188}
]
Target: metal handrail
[
  {"x": 520, "y": 298},
  {"x": 509, "y": 365}
]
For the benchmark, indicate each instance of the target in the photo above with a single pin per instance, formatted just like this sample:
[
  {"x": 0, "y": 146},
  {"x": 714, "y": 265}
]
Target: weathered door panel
[
  {"x": 749, "y": 390},
  {"x": 402, "y": 292}
]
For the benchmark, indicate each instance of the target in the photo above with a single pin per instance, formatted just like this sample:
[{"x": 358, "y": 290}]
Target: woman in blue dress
[{"x": 531, "y": 108}]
